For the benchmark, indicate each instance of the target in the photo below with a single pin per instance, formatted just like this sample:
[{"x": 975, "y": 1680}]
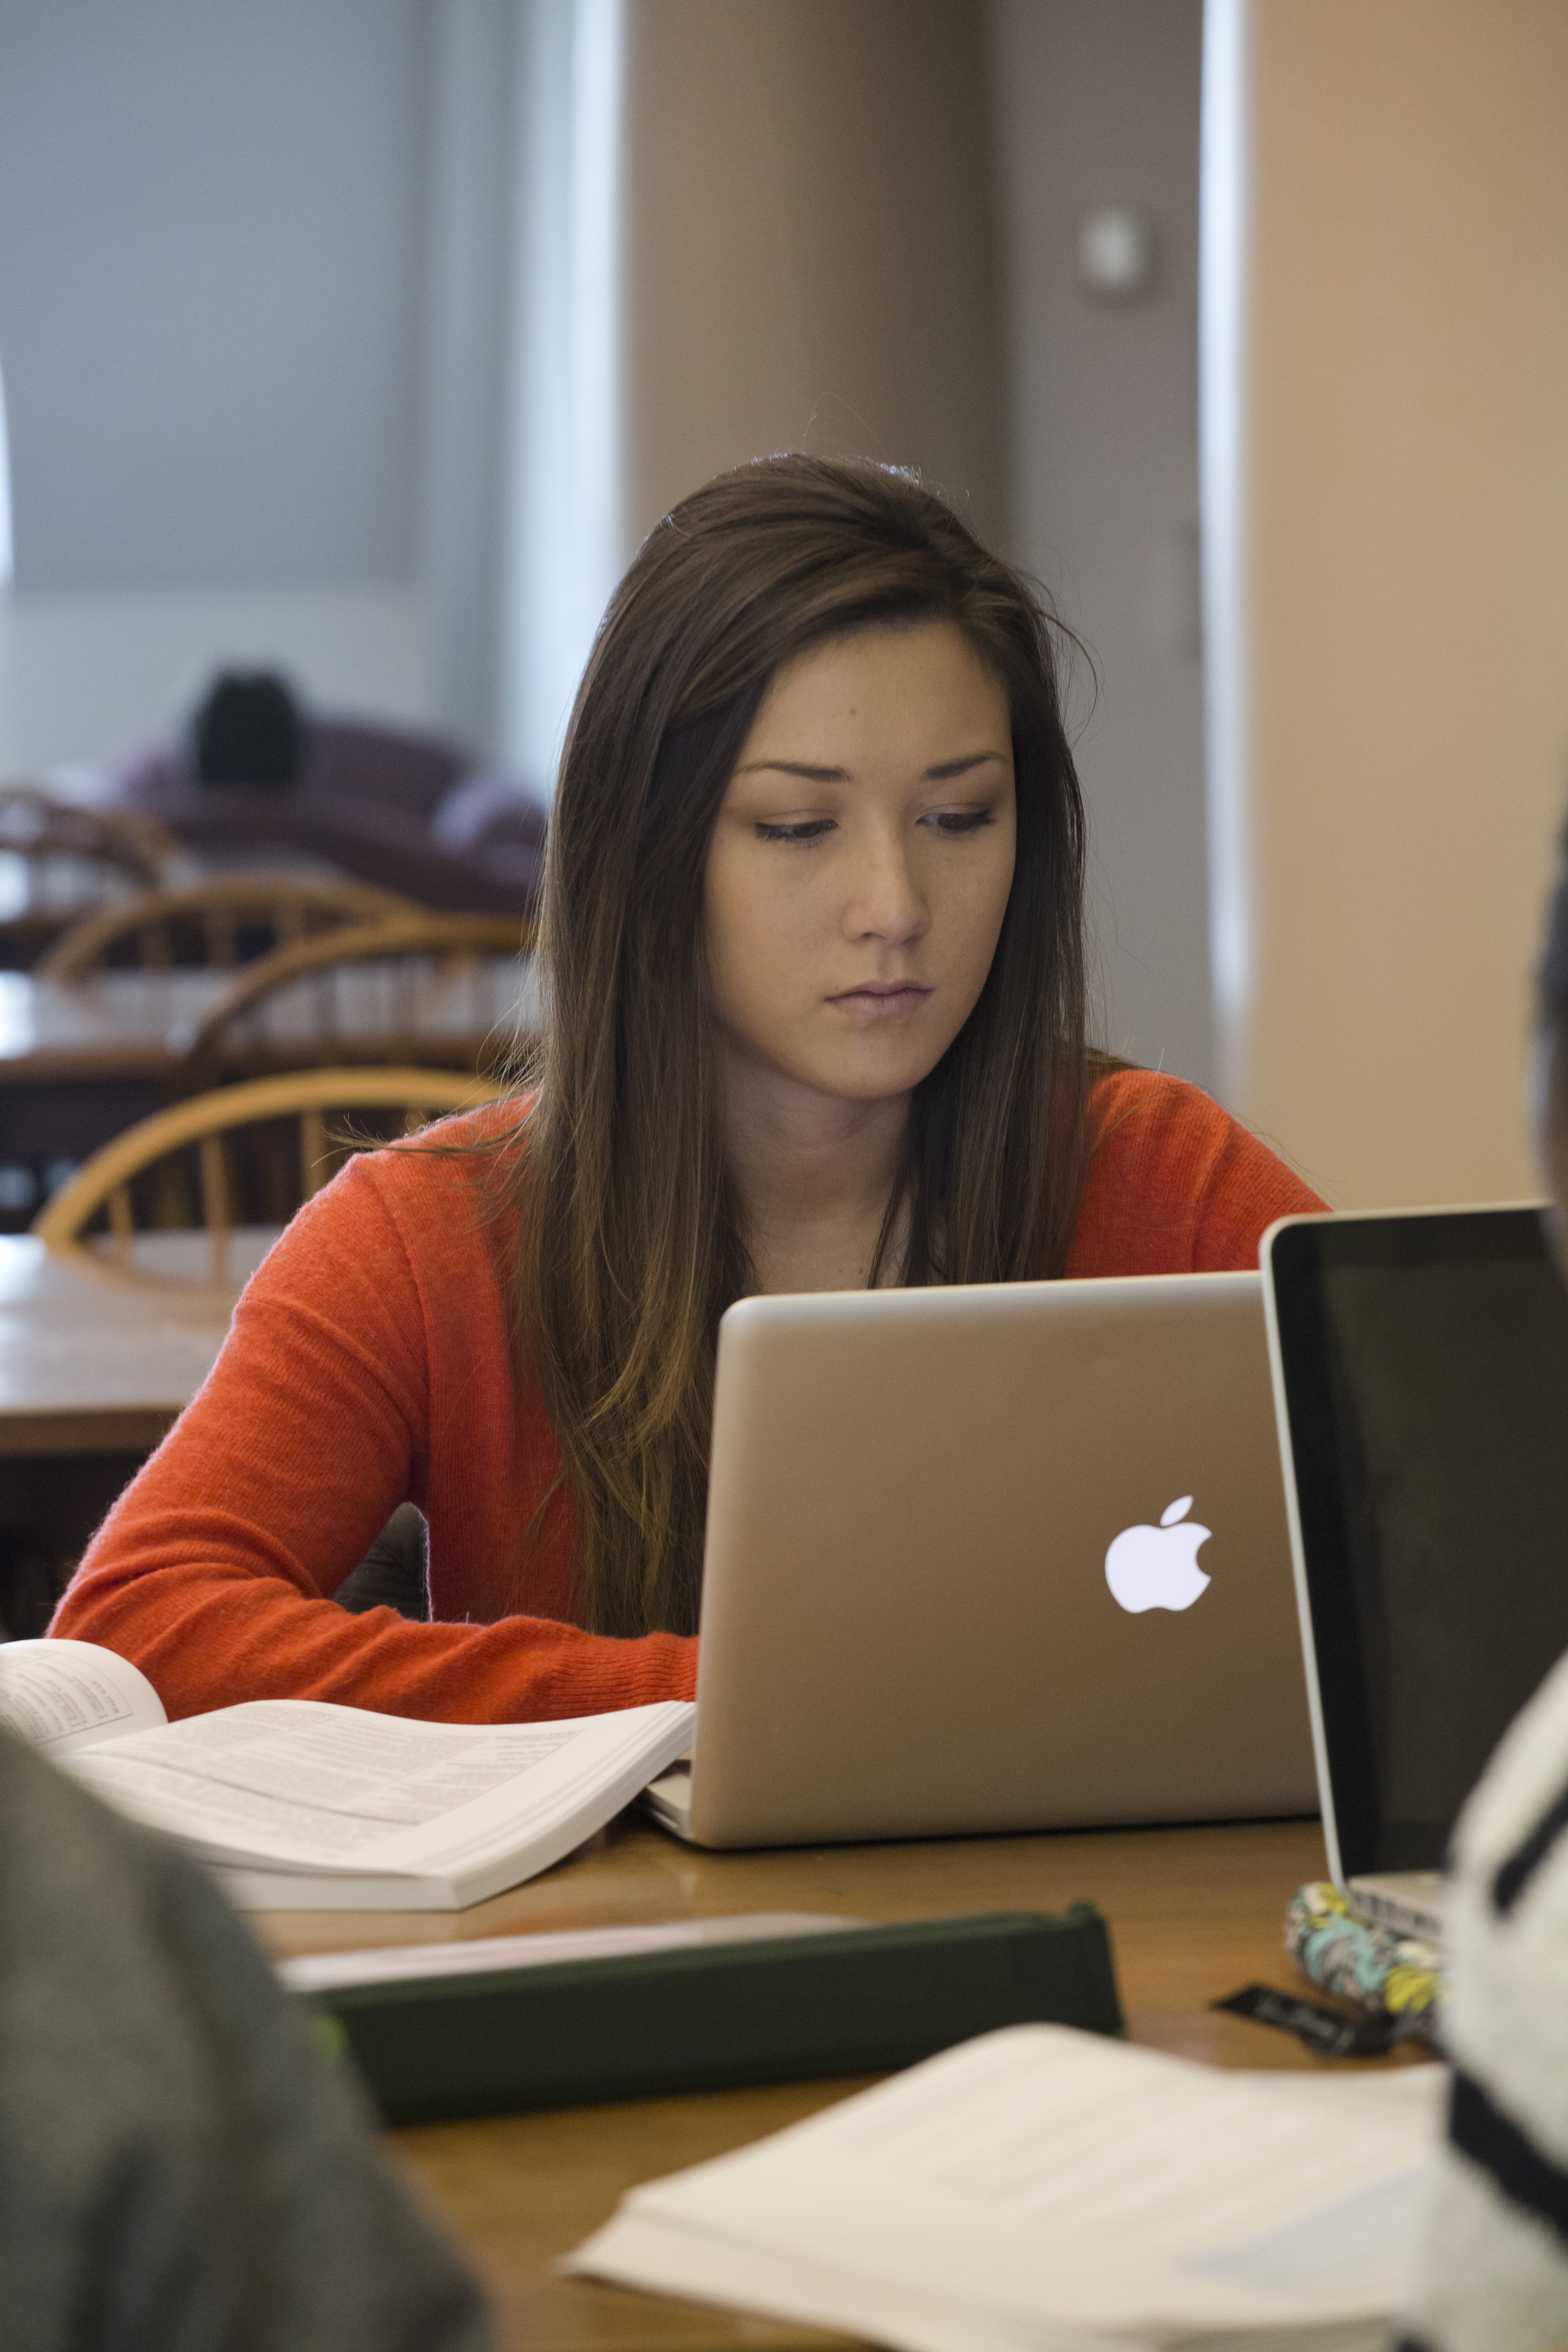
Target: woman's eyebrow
[
  {"x": 795, "y": 768},
  {"x": 937, "y": 775},
  {"x": 940, "y": 775}
]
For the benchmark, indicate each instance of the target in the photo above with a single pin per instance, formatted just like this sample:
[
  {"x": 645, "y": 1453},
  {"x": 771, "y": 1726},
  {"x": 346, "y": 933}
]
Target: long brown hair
[{"x": 630, "y": 1244}]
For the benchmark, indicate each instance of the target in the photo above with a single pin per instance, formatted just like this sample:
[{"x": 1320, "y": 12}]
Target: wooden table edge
[{"x": 86, "y": 1429}]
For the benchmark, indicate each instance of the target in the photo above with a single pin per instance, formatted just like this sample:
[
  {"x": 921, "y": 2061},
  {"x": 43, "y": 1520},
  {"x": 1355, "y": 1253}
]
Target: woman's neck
[{"x": 813, "y": 1173}]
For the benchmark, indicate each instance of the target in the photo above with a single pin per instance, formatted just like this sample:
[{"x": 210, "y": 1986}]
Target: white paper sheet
[
  {"x": 62, "y": 1696},
  {"x": 292, "y": 1784},
  {"x": 481, "y": 1955},
  {"x": 1040, "y": 2180},
  {"x": 312, "y": 1784}
]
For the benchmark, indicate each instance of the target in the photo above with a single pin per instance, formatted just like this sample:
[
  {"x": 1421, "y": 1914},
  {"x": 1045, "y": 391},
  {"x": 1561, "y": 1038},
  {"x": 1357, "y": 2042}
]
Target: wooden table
[
  {"x": 112, "y": 1024},
  {"x": 1194, "y": 1914},
  {"x": 81, "y": 1060},
  {"x": 40, "y": 897},
  {"x": 94, "y": 1360},
  {"x": 139, "y": 1024},
  {"x": 94, "y": 1366}
]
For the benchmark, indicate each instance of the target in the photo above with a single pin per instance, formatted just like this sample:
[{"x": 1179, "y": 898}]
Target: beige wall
[
  {"x": 1096, "y": 102},
  {"x": 1403, "y": 596},
  {"x": 809, "y": 253}
]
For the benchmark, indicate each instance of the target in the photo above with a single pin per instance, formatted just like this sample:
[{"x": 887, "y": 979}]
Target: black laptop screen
[{"x": 1426, "y": 1374}]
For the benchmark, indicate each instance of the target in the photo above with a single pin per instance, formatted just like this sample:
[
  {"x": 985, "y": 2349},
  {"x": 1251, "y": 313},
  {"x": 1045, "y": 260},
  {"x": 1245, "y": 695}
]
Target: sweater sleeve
[
  {"x": 213, "y": 1572},
  {"x": 1175, "y": 1184}
]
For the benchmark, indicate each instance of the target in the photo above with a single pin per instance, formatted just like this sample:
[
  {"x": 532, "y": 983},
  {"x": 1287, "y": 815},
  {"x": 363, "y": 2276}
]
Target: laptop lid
[
  {"x": 909, "y": 1626},
  {"x": 1421, "y": 1371}
]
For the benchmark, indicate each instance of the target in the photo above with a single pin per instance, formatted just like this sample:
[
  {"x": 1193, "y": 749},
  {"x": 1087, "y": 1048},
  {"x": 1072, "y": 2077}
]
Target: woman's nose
[{"x": 885, "y": 901}]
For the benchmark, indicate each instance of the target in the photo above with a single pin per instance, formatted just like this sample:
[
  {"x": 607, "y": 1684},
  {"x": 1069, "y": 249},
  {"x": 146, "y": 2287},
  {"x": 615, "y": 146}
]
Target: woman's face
[{"x": 859, "y": 869}]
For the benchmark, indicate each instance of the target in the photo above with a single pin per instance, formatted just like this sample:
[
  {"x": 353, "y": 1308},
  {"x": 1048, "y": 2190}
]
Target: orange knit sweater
[{"x": 368, "y": 1365}]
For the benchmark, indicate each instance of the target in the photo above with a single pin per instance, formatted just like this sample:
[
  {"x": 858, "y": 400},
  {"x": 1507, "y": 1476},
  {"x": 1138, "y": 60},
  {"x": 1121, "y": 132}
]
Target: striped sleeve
[{"x": 1495, "y": 2274}]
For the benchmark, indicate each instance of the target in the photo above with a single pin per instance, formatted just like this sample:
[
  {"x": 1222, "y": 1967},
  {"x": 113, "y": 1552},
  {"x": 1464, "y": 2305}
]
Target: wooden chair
[
  {"x": 436, "y": 990},
  {"x": 61, "y": 862},
  {"x": 33, "y": 825},
  {"x": 219, "y": 922},
  {"x": 148, "y": 1170}
]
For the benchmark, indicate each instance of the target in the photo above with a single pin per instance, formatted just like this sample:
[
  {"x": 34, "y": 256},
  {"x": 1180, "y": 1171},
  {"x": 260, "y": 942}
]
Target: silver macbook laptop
[
  {"x": 1000, "y": 1557},
  {"x": 1420, "y": 1363}
]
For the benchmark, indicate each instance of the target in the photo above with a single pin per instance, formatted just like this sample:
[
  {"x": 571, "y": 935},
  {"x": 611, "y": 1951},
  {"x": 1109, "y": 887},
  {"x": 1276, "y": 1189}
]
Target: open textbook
[
  {"x": 1042, "y": 2190},
  {"x": 301, "y": 1806}
]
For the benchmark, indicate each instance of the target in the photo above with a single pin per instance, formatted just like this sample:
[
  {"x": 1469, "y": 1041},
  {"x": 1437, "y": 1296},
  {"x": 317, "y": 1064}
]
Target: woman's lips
[{"x": 882, "y": 1001}]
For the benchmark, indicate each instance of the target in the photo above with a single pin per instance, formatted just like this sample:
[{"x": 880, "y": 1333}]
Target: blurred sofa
[{"x": 408, "y": 811}]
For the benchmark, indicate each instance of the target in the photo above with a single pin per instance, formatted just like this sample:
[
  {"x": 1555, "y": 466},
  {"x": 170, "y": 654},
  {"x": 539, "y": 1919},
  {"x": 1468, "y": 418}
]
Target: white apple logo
[{"x": 1157, "y": 1568}]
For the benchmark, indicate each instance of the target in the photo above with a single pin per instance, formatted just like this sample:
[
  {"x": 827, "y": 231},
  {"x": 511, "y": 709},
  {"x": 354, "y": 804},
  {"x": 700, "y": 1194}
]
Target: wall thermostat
[{"x": 1117, "y": 252}]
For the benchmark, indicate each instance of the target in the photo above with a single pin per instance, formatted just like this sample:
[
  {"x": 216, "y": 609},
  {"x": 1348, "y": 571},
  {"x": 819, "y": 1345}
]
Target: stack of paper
[
  {"x": 1045, "y": 2191},
  {"x": 309, "y": 1972}
]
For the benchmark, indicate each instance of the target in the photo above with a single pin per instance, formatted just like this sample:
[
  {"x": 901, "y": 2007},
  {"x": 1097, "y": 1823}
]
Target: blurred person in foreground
[
  {"x": 1496, "y": 2277},
  {"x": 181, "y": 2169}
]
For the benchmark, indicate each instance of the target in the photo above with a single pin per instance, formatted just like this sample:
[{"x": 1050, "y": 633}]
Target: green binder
[{"x": 859, "y": 2000}]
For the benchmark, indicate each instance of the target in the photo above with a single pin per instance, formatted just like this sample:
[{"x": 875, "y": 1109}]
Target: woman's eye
[
  {"x": 960, "y": 819},
  {"x": 809, "y": 829}
]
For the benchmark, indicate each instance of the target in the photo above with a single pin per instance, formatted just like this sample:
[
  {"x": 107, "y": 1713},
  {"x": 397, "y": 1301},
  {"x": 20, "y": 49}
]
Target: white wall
[
  {"x": 468, "y": 323},
  {"x": 564, "y": 538},
  {"x": 85, "y": 675},
  {"x": 212, "y": 223},
  {"x": 211, "y": 218},
  {"x": 1097, "y": 102}
]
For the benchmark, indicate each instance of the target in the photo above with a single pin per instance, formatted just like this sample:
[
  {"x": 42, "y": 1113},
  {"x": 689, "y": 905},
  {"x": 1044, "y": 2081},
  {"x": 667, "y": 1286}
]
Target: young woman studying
[{"x": 812, "y": 959}]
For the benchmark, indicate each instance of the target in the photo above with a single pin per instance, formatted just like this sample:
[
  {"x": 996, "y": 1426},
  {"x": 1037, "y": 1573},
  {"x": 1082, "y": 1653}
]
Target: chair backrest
[
  {"x": 448, "y": 990},
  {"x": 125, "y": 1173},
  {"x": 224, "y": 921},
  {"x": 35, "y": 826}
]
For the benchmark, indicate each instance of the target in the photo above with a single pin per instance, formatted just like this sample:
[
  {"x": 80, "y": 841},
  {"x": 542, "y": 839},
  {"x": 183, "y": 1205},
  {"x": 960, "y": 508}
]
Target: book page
[
  {"x": 63, "y": 1696},
  {"x": 1043, "y": 2176},
  {"x": 295, "y": 1782},
  {"x": 482, "y": 1955}
]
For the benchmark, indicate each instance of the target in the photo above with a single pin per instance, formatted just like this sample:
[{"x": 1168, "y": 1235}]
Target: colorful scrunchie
[{"x": 1376, "y": 1968}]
